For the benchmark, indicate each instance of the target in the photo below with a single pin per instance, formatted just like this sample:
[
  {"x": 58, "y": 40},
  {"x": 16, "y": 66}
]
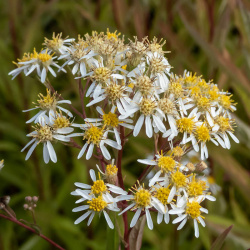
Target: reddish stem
[
  {"x": 121, "y": 184},
  {"x": 32, "y": 230}
]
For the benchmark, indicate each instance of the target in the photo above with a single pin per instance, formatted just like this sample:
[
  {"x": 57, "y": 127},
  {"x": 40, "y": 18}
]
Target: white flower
[
  {"x": 147, "y": 108},
  {"x": 48, "y": 105},
  {"x": 111, "y": 121},
  {"x": 96, "y": 204},
  {"x": 41, "y": 62},
  {"x": 95, "y": 136},
  {"x": 188, "y": 208},
  {"x": 142, "y": 200},
  {"x": 46, "y": 133}
]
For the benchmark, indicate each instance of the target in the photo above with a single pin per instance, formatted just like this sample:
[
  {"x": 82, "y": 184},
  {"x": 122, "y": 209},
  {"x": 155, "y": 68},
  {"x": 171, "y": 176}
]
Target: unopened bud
[
  {"x": 35, "y": 198},
  {"x": 190, "y": 167},
  {"x": 25, "y": 206},
  {"x": 201, "y": 166},
  {"x": 28, "y": 198}
]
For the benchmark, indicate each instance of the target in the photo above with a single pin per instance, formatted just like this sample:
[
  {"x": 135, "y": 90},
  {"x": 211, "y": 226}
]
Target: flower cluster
[{"x": 131, "y": 85}]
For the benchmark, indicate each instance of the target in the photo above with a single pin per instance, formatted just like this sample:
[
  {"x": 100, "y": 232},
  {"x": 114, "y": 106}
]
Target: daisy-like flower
[
  {"x": 110, "y": 173},
  {"x": 48, "y": 105},
  {"x": 111, "y": 121},
  {"x": 41, "y": 62},
  {"x": 99, "y": 187},
  {"x": 46, "y": 134},
  {"x": 95, "y": 204},
  {"x": 147, "y": 108},
  {"x": 189, "y": 208},
  {"x": 159, "y": 68},
  {"x": 224, "y": 127},
  {"x": 57, "y": 44},
  {"x": 142, "y": 200},
  {"x": 95, "y": 136}
]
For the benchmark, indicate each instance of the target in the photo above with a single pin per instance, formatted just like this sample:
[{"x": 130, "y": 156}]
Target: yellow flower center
[
  {"x": 202, "y": 133},
  {"x": 142, "y": 198},
  {"x": 111, "y": 170},
  {"x": 97, "y": 204},
  {"x": 214, "y": 93},
  {"x": 225, "y": 101},
  {"x": 224, "y": 123},
  {"x": 162, "y": 194},
  {"x": 177, "y": 151},
  {"x": 203, "y": 85},
  {"x": 55, "y": 43},
  {"x": 101, "y": 74},
  {"x": 166, "y": 163},
  {"x": 44, "y": 133},
  {"x": 147, "y": 106},
  {"x": 191, "y": 80},
  {"x": 157, "y": 65},
  {"x": 61, "y": 122},
  {"x": 166, "y": 105},
  {"x": 195, "y": 91},
  {"x": 114, "y": 91},
  {"x": 176, "y": 89},
  {"x": 193, "y": 209},
  {"x": 113, "y": 35},
  {"x": 98, "y": 187},
  {"x": 196, "y": 188},
  {"x": 144, "y": 84},
  {"x": 110, "y": 119},
  {"x": 44, "y": 57},
  {"x": 185, "y": 125},
  {"x": 93, "y": 135},
  {"x": 203, "y": 102},
  {"x": 47, "y": 102},
  {"x": 179, "y": 179}
]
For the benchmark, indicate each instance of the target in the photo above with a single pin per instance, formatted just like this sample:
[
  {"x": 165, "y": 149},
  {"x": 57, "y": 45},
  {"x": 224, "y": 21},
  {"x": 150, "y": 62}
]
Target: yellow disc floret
[
  {"x": 224, "y": 124},
  {"x": 98, "y": 187},
  {"x": 47, "y": 102},
  {"x": 193, "y": 209},
  {"x": 147, "y": 106},
  {"x": 111, "y": 119},
  {"x": 44, "y": 57},
  {"x": 93, "y": 135},
  {"x": 97, "y": 204},
  {"x": 166, "y": 163},
  {"x": 111, "y": 170},
  {"x": 196, "y": 187},
  {"x": 166, "y": 105},
  {"x": 185, "y": 125},
  {"x": 179, "y": 179},
  {"x": 142, "y": 198},
  {"x": 203, "y": 102},
  {"x": 162, "y": 194},
  {"x": 44, "y": 133},
  {"x": 101, "y": 74},
  {"x": 61, "y": 122},
  {"x": 202, "y": 133}
]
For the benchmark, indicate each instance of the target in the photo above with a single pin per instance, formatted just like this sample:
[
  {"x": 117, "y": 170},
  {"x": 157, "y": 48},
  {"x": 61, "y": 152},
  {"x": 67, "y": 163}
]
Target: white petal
[
  {"x": 127, "y": 208},
  {"x": 171, "y": 194},
  {"x": 98, "y": 99},
  {"x": 166, "y": 218},
  {"x": 43, "y": 75},
  {"x": 52, "y": 152},
  {"x": 92, "y": 174},
  {"x": 30, "y": 142},
  {"x": 82, "y": 185},
  {"x": 82, "y": 150},
  {"x": 149, "y": 220},
  {"x": 45, "y": 153},
  {"x": 90, "y": 151},
  {"x": 110, "y": 224},
  {"x": 159, "y": 124},
  {"x": 159, "y": 217},
  {"x": 31, "y": 151},
  {"x": 182, "y": 224},
  {"x": 83, "y": 217},
  {"x": 136, "y": 217},
  {"x": 91, "y": 218},
  {"x": 180, "y": 218},
  {"x": 148, "y": 124},
  {"x": 138, "y": 125},
  {"x": 147, "y": 162},
  {"x": 81, "y": 208},
  {"x": 105, "y": 152},
  {"x": 233, "y": 136},
  {"x": 196, "y": 229},
  {"x": 201, "y": 221}
]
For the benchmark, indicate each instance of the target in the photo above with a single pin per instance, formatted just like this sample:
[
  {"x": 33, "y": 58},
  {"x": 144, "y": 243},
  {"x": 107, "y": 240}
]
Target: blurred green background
[{"x": 209, "y": 37}]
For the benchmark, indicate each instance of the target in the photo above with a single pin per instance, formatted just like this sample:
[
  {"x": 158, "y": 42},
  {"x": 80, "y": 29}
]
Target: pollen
[
  {"x": 179, "y": 179},
  {"x": 225, "y": 101},
  {"x": 166, "y": 105},
  {"x": 113, "y": 35},
  {"x": 114, "y": 91},
  {"x": 47, "y": 102},
  {"x": 166, "y": 163},
  {"x": 195, "y": 91},
  {"x": 111, "y": 119},
  {"x": 177, "y": 151},
  {"x": 214, "y": 93},
  {"x": 97, "y": 204},
  {"x": 55, "y": 43},
  {"x": 93, "y": 135},
  {"x": 175, "y": 88},
  {"x": 147, "y": 106},
  {"x": 202, "y": 133},
  {"x": 142, "y": 198},
  {"x": 162, "y": 194},
  {"x": 191, "y": 80},
  {"x": 196, "y": 188},
  {"x": 98, "y": 187},
  {"x": 111, "y": 170},
  {"x": 61, "y": 122},
  {"x": 193, "y": 209},
  {"x": 44, "y": 133},
  {"x": 224, "y": 124},
  {"x": 44, "y": 57},
  {"x": 203, "y": 102},
  {"x": 185, "y": 125},
  {"x": 101, "y": 74},
  {"x": 144, "y": 84},
  {"x": 157, "y": 65}
]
